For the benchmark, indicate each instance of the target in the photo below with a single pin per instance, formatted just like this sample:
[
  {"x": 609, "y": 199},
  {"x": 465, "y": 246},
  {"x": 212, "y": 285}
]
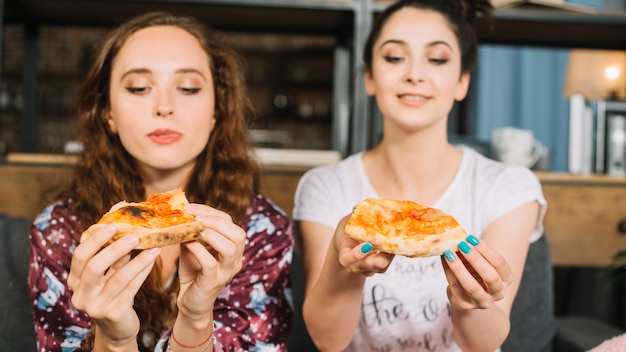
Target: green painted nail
[
  {"x": 464, "y": 247},
  {"x": 473, "y": 240},
  {"x": 449, "y": 255},
  {"x": 366, "y": 247}
]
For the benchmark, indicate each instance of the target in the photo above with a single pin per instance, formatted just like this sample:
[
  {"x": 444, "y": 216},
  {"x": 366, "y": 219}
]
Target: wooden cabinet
[
  {"x": 26, "y": 188},
  {"x": 585, "y": 218}
]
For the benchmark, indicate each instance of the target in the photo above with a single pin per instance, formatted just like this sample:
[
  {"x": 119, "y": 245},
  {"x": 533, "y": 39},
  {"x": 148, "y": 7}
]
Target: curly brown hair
[{"x": 224, "y": 176}]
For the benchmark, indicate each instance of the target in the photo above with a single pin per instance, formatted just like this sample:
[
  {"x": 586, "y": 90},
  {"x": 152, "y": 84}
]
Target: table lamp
[
  {"x": 596, "y": 74},
  {"x": 592, "y": 75}
]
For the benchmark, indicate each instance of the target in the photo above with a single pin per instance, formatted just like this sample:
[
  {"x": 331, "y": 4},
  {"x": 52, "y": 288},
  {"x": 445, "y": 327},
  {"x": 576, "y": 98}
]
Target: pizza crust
[
  {"x": 146, "y": 219},
  {"x": 404, "y": 228},
  {"x": 152, "y": 237}
]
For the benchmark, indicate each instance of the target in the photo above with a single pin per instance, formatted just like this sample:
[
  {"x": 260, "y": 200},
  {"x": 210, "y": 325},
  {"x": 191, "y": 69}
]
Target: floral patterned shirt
[{"x": 252, "y": 313}]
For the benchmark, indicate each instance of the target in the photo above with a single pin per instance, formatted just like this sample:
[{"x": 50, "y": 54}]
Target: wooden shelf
[
  {"x": 570, "y": 179},
  {"x": 556, "y": 28},
  {"x": 545, "y": 26},
  {"x": 293, "y": 16}
]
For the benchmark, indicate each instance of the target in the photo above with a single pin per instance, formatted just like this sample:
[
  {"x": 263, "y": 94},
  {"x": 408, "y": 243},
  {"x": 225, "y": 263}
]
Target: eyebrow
[
  {"x": 142, "y": 70},
  {"x": 403, "y": 43}
]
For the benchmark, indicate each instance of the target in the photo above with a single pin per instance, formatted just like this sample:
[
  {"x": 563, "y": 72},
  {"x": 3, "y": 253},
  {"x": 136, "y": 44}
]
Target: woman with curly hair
[{"x": 163, "y": 107}]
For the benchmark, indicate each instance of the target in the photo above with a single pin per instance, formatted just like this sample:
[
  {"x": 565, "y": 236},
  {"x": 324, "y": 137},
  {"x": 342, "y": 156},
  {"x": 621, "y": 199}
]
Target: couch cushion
[
  {"x": 16, "y": 321},
  {"x": 532, "y": 314}
]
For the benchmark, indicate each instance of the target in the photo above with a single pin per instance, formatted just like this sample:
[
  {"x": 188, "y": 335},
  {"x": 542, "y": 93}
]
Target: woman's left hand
[
  {"x": 477, "y": 277},
  {"x": 206, "y": 266}
]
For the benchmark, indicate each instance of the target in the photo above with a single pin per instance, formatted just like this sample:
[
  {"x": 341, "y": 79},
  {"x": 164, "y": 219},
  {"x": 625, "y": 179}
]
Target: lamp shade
[{"x": 596, "y": 74}]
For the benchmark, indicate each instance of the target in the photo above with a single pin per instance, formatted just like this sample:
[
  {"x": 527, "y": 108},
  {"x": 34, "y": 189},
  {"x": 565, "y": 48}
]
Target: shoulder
[
  {"x": 268, "y": 229},
  {"x": 264, "y": 216},
  {"x": 497, "y": 188},
  {"x": 346, "y": 166},
  {"x": 55, "y": 225},
  {"x": 333, "y": 177},
  {"x": 56, "y": 214},
  {"x": 491, "y": 173},
  {"x": 260, "y": 204}
]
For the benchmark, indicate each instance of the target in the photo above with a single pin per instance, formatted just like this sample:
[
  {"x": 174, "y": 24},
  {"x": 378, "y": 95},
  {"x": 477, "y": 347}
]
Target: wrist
[
  {"x": 199, "y": 338},
  {"x": 102, "y": 343},
  {"x": 193, "y": 323}
]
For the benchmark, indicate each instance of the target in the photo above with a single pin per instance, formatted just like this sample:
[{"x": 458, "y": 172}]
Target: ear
[
  {"x": 462, "y": 87},
  {"x": 213, "y": 121},
  {"x": 370, "y": 86},
  {"x": 111, "y": 122}
]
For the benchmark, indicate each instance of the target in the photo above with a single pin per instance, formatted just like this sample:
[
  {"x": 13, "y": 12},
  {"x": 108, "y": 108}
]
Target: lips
[
  {"x": 166, "y": 136},
  {"x": 412, "y": 99}
]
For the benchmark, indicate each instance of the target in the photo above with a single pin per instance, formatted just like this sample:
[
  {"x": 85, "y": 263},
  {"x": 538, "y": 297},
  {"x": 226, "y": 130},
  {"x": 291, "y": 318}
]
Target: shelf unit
[{"x": 347, "y": 20}]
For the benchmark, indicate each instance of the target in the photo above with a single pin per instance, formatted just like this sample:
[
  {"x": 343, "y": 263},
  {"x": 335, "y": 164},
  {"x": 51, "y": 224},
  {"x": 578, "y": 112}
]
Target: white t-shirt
[{"x": 406, "y": 308}]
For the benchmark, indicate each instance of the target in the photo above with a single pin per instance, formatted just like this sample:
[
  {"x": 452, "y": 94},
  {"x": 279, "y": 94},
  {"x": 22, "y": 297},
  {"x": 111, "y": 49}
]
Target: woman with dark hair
[
  {"x": 418, "y": 60},
  {"x": 163, "y": 107}
]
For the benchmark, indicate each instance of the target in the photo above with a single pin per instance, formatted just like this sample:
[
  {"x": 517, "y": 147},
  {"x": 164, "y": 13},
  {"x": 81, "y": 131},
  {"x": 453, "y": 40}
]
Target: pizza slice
[
  {"x": 158, "y": 221},
  {"x": 404, "y": 227}
]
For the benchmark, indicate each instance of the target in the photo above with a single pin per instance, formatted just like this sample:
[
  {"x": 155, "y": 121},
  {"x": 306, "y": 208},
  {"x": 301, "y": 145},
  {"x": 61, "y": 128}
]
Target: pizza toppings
[
  {"x": 404, "y": 227},
  {"x": 160, "y": 220}
]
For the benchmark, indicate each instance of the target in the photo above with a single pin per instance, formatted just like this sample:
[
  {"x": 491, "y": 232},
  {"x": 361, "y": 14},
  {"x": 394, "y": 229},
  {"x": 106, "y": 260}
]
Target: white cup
[{"x": 516, "y": 146}]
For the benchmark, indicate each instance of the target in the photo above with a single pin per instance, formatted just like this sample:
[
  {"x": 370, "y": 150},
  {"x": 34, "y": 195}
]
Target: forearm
[
  {"x": 332, "y": 307},
  {"x": 480, "y": 329}
]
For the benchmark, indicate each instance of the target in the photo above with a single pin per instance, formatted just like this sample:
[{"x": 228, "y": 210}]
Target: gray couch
[{"x": 16, "y": 321}]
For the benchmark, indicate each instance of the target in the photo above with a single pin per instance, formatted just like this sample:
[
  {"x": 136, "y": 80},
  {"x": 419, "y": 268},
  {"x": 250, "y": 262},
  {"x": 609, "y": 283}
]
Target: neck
[
  {"x": 157, "y": 181},
  {"x": 418, "y": 169}
]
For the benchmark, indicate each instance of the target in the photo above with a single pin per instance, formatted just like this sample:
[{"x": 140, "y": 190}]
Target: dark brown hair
[
  {"x": 225, "y": 176},
  {"x": 461, "y": 15}
]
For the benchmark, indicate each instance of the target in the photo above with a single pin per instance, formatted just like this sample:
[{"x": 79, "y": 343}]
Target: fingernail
[
  {"x": 131, "y": 239},
  {"x": 464, "y": 247},
  {"x": 449, "y": 255},
  {"x": 154, "y": 252},
  {"x": 366, "y": 247},
  {"x": 473, "y": 240}
]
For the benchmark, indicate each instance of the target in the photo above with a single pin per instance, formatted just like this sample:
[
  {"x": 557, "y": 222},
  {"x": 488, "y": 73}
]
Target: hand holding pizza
[
  {"x": 208, "y": 264},
  {"x": 359, "y": 257},
  {"x": 105, "y": 281},
  {"x": 477, "y": 277}
]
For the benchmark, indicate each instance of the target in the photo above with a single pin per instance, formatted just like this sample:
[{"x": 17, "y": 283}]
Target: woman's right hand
[
  {"x": 105, "y": 281},
  {"x": 359, "y": 257}
]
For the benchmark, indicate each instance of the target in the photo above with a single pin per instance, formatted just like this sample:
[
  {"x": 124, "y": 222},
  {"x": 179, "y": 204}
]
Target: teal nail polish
[
  {"x": 366, "y": 247},
  {"x": 473, "y": 240},
  {"x": 449, "y": 255},
  {"x": 464, "y": 247}
]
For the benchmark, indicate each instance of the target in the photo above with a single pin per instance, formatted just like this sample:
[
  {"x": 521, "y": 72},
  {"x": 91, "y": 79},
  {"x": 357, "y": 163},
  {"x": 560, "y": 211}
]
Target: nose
[
  {"x": 413, "y": 72},
  {"x": 164, "y": 106}
]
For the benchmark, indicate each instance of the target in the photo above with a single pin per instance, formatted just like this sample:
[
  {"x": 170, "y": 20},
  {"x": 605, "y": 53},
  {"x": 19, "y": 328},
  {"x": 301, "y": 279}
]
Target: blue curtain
[{"x": 523, "y": 87}]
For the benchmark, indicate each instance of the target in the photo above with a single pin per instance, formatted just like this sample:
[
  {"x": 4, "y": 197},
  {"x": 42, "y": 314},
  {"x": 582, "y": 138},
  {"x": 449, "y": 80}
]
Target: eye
[
  {"x": 393, "y": 59},
  {"x": 137, "y": 90},
  {"x": 190, "y": 90},
  {"x": 437, "y": 61}
]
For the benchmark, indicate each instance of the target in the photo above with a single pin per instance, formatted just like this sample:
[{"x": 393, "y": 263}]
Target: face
[
  {"x": 416, "y": 70},
  {"x": 161, "y": 98}
]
